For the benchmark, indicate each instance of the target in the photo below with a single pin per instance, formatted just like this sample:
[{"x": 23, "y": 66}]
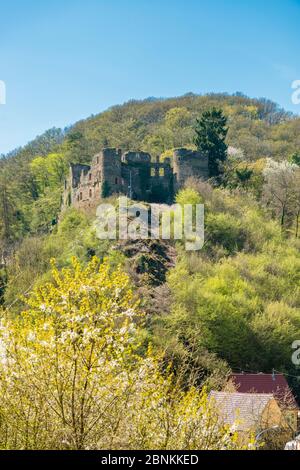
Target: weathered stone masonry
[{"x": 133, "y": 174}]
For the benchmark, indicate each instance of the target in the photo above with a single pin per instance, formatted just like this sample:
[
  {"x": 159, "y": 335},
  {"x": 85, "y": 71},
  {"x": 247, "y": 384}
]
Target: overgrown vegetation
[
  {"x": 234, "y": 305},
  {"x": 72, "y": 377},
  {"x": 30, "y": 178}
]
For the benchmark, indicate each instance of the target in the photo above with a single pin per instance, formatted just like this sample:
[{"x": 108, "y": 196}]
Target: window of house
[
  {"x": 161, "y": 172},
  {"x": 116, "y": 180},
  {"x": 152, "y": 171},
  {"x": 91, "y": 193},
  {"x": 90, "y": 176},
  {"x": 80, "y": 196}
]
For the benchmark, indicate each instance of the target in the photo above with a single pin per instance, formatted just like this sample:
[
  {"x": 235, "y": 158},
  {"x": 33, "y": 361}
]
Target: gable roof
[
  {"x": 243, "y": 409},
  {"x": 265, "y": 383}
]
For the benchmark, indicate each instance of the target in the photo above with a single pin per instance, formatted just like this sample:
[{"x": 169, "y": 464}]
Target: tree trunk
[{"x": 297, "y": 224}]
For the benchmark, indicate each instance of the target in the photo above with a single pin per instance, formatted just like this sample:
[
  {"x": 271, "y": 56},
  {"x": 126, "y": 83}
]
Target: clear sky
[{"x": 63, "y": 60}]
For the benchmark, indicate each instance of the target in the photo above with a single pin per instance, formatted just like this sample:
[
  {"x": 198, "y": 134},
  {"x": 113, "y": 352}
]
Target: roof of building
[
  {"x": 265, "y": 383},
  {"x": 242, "y": 409}
]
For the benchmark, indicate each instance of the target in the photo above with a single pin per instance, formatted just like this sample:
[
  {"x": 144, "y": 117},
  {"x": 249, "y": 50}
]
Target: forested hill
[
  {"x": 239, "y": 298},
  {"x": 258, "y": 126},
  {"x": 31, "y": 177}
]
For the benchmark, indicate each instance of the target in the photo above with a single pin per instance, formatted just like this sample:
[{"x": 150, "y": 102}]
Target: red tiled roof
[{"x": 265, "y": 383}]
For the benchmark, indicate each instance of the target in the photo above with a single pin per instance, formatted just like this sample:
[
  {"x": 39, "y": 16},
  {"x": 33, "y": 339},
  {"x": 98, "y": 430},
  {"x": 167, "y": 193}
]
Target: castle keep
[{"x": 133, "y": 174}]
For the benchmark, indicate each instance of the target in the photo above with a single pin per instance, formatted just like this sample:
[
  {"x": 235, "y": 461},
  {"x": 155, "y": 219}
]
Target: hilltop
[
  {"x": 35, "y": 173},
  {"x": 238, "y": 302}
]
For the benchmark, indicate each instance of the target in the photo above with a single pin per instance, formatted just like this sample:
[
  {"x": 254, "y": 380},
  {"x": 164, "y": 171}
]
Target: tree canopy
[{"x": 211, "y": 132}]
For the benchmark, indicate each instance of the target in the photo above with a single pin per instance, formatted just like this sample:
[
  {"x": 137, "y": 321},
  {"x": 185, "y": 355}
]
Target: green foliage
[
  {"x": 74, "y": 235},
  {"x": 242, "y": 308},
  {"x": 211, "y": 132},
  {"x": 244, "y": 175},
  {"x": 188, "y": 196},
  {"x": 236, "y": 302},
  {"x": 295, "y": 159},
  {"x": 226, "y": 231},
  {"x": 12, "y": 220},
  {"x": 45, "y": 211},
  {"x": 49, "y": 171}
]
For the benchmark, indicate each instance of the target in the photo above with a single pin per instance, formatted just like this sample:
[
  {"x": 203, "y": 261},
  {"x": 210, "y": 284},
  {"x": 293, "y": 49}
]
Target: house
[
  {"x": 274, "y": 384},
  {"x": 248, "y": 412}
]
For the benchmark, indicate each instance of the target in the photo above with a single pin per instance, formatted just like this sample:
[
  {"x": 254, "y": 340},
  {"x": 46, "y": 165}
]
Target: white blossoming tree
[{"x": 282, "y": 191}]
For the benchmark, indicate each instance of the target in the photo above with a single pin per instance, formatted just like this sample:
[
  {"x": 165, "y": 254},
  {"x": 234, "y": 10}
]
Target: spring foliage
[{"x": 71, "y": 376}]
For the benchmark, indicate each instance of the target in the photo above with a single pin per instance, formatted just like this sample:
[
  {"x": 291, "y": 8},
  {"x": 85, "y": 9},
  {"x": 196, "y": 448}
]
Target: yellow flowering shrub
[{"x": 71, "y": 376}]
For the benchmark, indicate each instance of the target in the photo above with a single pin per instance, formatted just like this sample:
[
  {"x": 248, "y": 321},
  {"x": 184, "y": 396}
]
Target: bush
[
  {"x": 225, "y": 230},
  {"x": 71, "y": 378}
]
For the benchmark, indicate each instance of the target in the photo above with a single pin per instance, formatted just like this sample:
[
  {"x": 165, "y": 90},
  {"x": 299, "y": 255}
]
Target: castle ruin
[{"x": 133, "y": 174}]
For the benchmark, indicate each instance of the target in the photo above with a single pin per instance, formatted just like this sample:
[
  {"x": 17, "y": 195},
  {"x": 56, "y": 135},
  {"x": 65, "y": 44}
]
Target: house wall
[{"x": 272, "y": 416}]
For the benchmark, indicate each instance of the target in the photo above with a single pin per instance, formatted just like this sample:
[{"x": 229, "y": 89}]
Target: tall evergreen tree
[{"x": 211, "y": 131}]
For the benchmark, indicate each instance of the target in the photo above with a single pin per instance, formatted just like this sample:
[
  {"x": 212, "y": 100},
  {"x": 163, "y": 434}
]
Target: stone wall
[
  {"x": 133, "y": 174},
  {"x": 188, "y": 163}
]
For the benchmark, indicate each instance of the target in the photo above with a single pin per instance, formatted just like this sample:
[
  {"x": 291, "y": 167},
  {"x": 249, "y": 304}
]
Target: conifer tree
[{"x": 211, "y": 131}]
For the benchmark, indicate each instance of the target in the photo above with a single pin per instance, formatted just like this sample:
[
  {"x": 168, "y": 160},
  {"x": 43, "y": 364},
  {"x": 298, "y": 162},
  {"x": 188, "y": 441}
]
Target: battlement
[
  {"x": 136, "y": 158},
  {"x": 134, "y": 174}
]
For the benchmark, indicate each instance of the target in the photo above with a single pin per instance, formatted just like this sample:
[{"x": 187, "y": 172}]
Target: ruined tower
[
  {"x": 106, "y": 171},
  {"x": 188, "y": 163}
]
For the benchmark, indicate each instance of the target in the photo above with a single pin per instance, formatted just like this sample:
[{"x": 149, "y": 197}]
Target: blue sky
[{"x": 64, "y": 60}]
